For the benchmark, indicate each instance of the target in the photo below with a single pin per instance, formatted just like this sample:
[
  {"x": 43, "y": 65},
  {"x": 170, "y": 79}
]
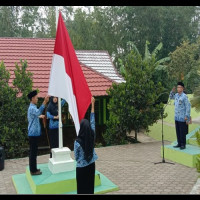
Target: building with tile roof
[{"x": 97, "y": 67}]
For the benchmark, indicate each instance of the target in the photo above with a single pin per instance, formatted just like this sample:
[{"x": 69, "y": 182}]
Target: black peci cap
[
  {"x": 180, "y": 83},
  {"x": 32, "y": 94}
]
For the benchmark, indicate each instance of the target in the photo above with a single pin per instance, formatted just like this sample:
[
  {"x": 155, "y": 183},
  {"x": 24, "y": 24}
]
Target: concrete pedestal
[{"x": 61, "y": 161}]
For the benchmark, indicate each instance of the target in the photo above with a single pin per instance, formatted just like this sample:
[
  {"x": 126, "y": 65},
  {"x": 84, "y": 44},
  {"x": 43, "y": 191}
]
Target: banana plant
[{"x": 148, "y": 57}]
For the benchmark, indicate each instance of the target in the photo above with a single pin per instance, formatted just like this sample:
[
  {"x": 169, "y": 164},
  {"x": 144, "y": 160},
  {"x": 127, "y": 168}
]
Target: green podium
[{"x": 60, "y": 183}]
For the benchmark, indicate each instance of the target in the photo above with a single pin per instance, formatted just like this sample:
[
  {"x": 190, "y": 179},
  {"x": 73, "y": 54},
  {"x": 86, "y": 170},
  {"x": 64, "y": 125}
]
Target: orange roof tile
[{"x": 38, "y": 53}]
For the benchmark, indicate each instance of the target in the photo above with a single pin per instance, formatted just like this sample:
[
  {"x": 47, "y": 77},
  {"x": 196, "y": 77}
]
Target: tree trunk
[{"x": 136, "y": 135}]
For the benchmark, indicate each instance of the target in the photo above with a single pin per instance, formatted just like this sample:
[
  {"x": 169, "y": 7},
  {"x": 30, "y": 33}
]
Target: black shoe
[
  {"x": 177, "y": 146},
  {"x": 38, "y": 172},
  {"x": 182, "y": 147}
]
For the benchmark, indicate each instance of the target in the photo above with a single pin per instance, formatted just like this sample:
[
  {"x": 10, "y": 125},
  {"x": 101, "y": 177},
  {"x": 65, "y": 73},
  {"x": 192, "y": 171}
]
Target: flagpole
[
  {"x": 61, "y": 160},
  {"x": 59, "y": 102}
]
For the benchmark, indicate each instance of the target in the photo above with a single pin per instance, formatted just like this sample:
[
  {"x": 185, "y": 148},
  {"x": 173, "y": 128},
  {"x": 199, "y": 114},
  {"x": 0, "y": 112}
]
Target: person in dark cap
[
  {"x": 182, "y": 114},
  {"x": 34, "y": 129}
]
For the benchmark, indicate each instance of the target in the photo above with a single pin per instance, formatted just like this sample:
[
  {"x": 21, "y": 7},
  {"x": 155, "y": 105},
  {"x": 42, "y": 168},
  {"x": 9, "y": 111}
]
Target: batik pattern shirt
[
  {"x": 78, "y": 151},
  {"x": 182, "y": 106},
  {"x": 34, "y": 127},
  {"x": 53, "y": 124}
]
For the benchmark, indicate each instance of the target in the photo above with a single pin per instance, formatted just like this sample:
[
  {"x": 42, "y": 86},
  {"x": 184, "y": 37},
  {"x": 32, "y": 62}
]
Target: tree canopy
[
  {"x": 13, "y": 109},
  {"x": 134, "y": 104},
  {"x": 106, "y": 27}
]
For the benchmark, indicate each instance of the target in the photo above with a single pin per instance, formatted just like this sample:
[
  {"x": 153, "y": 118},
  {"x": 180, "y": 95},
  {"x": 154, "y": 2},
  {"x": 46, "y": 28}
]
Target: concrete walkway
[
  {"x": 130, "y": 166},
  {"x": 196, "y": 120}
]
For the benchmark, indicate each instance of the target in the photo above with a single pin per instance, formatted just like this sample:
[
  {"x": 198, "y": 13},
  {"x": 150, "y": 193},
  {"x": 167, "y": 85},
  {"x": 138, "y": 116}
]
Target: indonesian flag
[{"x": 66, "y": 78}]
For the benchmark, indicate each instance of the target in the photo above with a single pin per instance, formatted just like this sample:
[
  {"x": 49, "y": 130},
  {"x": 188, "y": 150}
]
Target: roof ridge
[
  {"x": 95, "y": 50},
  {"x": 27, "y": 38}
]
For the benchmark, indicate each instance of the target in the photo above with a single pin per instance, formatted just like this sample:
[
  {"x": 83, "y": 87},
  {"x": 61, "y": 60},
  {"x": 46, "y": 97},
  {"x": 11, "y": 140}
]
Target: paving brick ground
[{"x": 131, "y": 167}]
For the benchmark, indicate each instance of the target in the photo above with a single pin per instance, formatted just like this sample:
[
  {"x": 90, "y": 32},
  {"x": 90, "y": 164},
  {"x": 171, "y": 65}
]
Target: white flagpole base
[{"x": 61, "y": 160}]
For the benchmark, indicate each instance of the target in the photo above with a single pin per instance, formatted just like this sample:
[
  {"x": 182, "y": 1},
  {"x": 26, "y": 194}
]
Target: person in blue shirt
[
  {"x": 52, "y": 114},
  {"x": 182, "y": 114},
  {"x": 85, "y": 154},
  {"x": 34, "y": 129}
]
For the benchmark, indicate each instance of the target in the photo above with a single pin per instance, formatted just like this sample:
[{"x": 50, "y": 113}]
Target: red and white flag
[{"x": 67, "y": 80}]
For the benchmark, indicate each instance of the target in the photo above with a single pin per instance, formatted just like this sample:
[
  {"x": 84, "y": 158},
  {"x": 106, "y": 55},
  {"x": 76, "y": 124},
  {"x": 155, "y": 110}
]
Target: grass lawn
[{"x": 169, "y": 132}]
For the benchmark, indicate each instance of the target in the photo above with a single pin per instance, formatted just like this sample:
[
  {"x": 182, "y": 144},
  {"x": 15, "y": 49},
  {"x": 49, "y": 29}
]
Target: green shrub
[
  {"x": 198, "y": 157},
  {"x": 13, "y": 110},
  {"x": 134, "y": 104}
]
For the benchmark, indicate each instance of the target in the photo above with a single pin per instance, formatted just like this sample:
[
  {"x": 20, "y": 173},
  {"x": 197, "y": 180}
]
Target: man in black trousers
[
  {"x": 182, "y": 114},
  {"x": 34, "y": 129}
]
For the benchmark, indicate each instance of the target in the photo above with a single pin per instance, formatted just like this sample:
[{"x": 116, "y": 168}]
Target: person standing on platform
[
  {"x": 85, "y": 154},
  {"x": 182, "y": 114},
  {"x": 52, "y": 114},
  {"x": 34, "y": 129}
]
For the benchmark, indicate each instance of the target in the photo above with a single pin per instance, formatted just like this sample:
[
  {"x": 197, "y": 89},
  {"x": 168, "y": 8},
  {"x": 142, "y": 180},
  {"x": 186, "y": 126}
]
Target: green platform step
[
  {"x": 186, "y": 156},
  {"x": 61, "y": 183},
  {"x": 192, "y": 141}
]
